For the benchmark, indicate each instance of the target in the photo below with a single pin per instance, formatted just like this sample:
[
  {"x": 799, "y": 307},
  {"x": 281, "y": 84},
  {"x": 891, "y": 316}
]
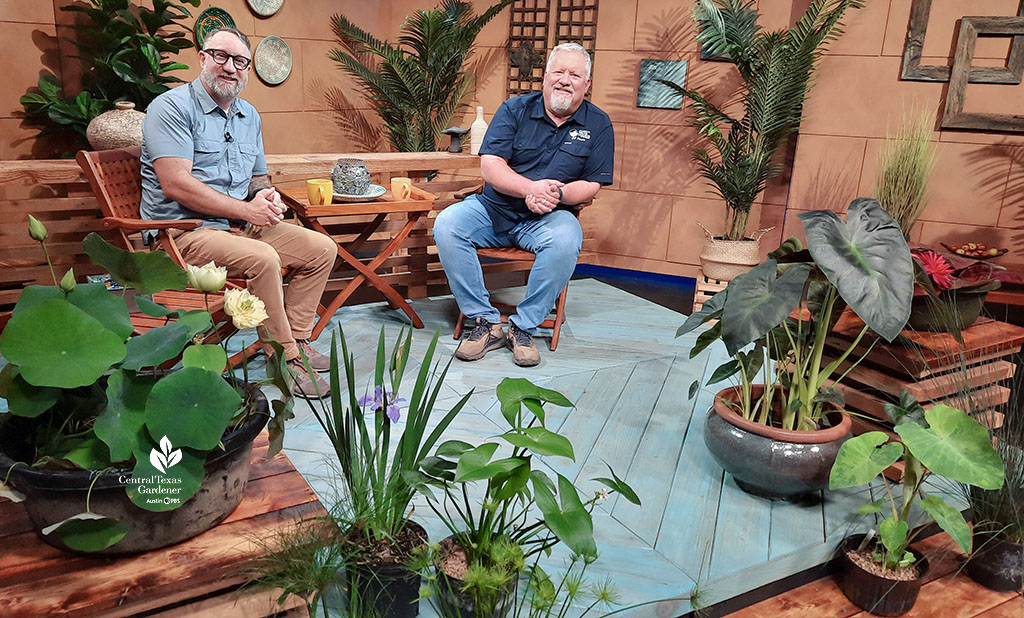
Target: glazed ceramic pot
[
  {"x": 961, "y": 310},
  {"x": 54, "y": 495},
  {"x": 873, "y": 593},
  {"x": 350, "y": 177},
  {"x": 118, "y": 128},
  {"x": 769, "y": 462},
  {"x": 996, "y": 563}
]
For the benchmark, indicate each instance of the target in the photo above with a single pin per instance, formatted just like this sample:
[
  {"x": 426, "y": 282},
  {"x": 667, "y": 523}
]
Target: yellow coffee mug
[
  {"x": 401, "y": 188},
  {"x": 319, "y": 191}
]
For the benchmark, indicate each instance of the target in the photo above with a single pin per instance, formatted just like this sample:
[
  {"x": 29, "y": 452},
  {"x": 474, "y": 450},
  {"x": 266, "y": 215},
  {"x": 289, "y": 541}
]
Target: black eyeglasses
[{"x": 220, "y": 57}]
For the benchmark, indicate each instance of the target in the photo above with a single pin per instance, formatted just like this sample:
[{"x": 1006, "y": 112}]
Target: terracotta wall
[{"x": 647, "y": 220}]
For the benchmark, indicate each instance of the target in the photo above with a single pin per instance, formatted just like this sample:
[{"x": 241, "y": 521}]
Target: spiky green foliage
[
  {"x": 905, "y": 165},
  {"x": 776, "y": 68},
  {"x": 417, "y": 86}
]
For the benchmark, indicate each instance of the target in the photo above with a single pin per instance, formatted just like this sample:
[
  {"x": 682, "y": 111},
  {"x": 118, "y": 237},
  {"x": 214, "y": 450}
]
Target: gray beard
[
  {"x": 211, "y": 82},
  {"x": 560, "y": 102}
]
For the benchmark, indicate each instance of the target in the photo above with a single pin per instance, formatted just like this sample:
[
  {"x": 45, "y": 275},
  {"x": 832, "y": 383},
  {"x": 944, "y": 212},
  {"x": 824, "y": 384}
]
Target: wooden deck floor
[{"x": 620, "y": 362}]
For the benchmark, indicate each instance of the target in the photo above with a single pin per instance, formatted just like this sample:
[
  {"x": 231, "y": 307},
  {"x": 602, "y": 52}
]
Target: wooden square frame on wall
[
  {"x": 970, "y": 27},
  {"x": 912, "y": 68}
]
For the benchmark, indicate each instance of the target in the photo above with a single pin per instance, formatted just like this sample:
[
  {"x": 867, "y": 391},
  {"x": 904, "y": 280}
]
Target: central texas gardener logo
[{"x": 164, "y": 458}]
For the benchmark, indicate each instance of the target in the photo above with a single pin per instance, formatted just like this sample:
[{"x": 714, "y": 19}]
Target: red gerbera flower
[{"x": 937, "y": 267}]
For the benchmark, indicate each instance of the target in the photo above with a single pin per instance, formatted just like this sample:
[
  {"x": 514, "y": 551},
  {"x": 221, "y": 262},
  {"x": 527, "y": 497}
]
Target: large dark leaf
[
  {"x": 868, "y": 261},
  {"x": 119, "y": 423},
  {"x": 191, "y": 407},
  {"x": 707, "y": 311},
  {"x": 759, "y": 301},
  {"x": 107, "y": 307},
  {"x": 146, "y": 272}
]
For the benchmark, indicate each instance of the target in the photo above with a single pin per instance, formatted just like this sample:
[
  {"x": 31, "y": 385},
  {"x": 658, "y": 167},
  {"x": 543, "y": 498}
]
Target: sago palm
[
  {"x": 775, "y": 68},
  {"x": 417, "y": 86}
]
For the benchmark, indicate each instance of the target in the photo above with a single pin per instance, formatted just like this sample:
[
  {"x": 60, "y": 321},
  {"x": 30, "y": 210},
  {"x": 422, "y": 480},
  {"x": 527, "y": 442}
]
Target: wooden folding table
[{"x": 418, "y": 204}]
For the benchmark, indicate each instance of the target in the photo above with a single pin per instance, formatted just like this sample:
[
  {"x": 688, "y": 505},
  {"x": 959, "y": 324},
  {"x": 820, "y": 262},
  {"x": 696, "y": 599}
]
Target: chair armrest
[
  {"x": 470, "y": 190},
  {"x": 138, "y": 225}
]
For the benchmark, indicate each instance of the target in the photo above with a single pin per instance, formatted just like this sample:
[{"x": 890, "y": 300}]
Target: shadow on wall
[
  {"x": 988, "y": 165},
  {"x": 352, "y": 127},
  {"x": 821, "y": 189},
  {"x": 485, "y": 66},
  {"x": 47, "y": 146}
]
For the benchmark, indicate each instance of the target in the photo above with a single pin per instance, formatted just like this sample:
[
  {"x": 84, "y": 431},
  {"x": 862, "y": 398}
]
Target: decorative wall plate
[
  {"x": 272, "y": 60},
  {"x": 208, "y": 21},
  {"x": 265, "y": 8}
]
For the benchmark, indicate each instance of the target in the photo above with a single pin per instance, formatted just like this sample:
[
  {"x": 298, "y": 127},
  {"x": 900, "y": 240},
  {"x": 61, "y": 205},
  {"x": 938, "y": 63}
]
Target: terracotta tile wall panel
[
  {"x": 657, "y": 160},
  {"x": 37, "y": 12},
  {"x": 864, "y": 30},
  {"x": 664, "y": 26},
  {"x": 687, "y": 238},
  {"x": 23, "y": 63},
  {"x": 311, "y": 19},
  {"x": 827, "y": 172},
  {"x": 616, "y": 25},
  {"x": 629, "y": 224}
]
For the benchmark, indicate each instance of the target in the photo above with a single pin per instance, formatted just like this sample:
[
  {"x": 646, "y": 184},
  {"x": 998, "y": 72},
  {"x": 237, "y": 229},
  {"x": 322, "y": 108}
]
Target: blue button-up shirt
[
  {"x": 226, "y": 149},
  {"x": 582, "y": 148}
]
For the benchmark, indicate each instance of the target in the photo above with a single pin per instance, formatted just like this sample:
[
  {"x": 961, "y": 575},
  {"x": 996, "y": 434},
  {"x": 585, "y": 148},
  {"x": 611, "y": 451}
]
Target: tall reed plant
[{"x": 905, "y": 165}]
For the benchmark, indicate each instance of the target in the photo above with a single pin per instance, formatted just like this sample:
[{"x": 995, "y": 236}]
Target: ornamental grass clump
[{"x": 905, "y": 165}]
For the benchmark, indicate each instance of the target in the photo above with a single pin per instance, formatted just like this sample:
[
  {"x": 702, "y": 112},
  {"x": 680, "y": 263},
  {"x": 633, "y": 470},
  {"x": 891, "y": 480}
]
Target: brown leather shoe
[
  {"x": 524, "y": 351},
  {"x": 319, "y": 362},
  {"x": 304, "y": 384},
  {"x": 482, "y": 339}
]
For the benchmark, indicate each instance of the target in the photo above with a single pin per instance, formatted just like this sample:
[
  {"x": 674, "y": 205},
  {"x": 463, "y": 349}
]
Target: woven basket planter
[{"x": 725, "y": 260}]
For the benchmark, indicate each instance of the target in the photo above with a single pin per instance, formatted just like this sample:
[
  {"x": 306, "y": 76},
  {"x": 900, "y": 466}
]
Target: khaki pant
[{"x": 258, "y": 254}]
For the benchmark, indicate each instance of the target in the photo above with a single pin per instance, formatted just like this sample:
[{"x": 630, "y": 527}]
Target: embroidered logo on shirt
[{"x": 580, "y": 135}]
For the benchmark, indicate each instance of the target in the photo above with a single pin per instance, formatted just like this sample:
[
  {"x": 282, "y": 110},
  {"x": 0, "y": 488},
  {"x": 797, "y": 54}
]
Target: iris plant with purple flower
[{"x": 382, "y": 400}]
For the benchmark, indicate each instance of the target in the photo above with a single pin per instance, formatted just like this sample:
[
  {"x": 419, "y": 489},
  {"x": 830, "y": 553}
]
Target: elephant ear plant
[
  {"x": 84, "y": 393},
  {"x": 863, "y": 263},
  {"x": 942, "y": 441},
  {"x": 497, "y": 534}
]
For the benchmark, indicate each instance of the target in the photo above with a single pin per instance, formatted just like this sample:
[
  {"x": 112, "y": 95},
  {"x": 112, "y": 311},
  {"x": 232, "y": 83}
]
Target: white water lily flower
[
  {"x": 209, "y": 278},
  {"x": 246, "y": 310}
]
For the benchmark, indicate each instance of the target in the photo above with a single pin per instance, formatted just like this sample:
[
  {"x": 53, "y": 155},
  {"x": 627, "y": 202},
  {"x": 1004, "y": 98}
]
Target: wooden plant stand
[
  {"x": 199, "y": 577},
  {"x": 933, "y": 367},
  {"x": 706, "y": 288}
]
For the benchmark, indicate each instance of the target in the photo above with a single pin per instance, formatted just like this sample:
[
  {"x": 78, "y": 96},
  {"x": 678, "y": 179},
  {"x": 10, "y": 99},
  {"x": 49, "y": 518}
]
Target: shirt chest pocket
[
  {"x": 572, "y": 157},
  {"x": 247, "y": 153},
  {"x": 208, "y": 157}
]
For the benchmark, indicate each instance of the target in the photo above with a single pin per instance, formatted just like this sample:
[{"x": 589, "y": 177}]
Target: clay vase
[{"x": 118, "y": 128}]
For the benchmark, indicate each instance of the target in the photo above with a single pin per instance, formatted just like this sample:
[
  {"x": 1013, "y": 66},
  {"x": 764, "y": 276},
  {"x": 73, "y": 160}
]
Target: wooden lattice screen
[{"x": 575, "y": 21}]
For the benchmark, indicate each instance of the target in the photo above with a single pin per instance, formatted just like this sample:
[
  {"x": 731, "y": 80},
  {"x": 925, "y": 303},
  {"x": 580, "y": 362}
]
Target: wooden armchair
[
  {"x": 116, "y": 179},
  {"x": 512, "y": 254}
]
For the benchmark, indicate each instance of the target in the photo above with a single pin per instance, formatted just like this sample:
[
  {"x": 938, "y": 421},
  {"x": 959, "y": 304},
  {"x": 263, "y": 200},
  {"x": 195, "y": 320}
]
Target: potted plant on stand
[
  {"x": 778, "y": 438},
  {"x": 775, "y": 68},
  {"x": 378, "y": 538},
  {"x": 879, "y": 572},
  {"x": 114, "y": 454},
  {"x": 493, "y": 538}
]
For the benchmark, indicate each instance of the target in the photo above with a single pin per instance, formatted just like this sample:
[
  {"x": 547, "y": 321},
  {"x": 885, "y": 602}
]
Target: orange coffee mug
[
  {"x": 320, "y": 192},
  {"x": 401, "y": 188}
]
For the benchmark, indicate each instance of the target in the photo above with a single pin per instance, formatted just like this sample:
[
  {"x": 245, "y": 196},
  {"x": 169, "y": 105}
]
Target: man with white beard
[
  {"x": 543, "y": 152},
  {"x": 202, "y": 158}
]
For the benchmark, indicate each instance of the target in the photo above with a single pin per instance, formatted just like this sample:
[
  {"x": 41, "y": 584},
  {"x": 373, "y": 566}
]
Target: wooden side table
[
  {"x": 197, "y": 577},
  {"x": 933, "y": 367},
  {"x": 419, "y": 203}
]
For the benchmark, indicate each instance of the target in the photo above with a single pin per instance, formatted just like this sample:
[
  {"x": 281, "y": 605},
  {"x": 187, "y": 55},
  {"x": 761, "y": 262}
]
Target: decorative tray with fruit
[{"x": 975, "y": 250}]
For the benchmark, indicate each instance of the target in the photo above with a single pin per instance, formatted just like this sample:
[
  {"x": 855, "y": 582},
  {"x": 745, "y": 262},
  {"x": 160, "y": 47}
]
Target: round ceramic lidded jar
[
  {"x": 117, "y": 128},
  {"x": 350, "y": 177}
]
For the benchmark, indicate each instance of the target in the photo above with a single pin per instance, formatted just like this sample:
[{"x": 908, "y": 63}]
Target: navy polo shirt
[{"x": 583, "y": 148}]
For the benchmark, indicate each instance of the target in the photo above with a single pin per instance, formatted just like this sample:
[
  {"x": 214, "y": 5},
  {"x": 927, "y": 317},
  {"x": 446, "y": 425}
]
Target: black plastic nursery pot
[
  {"x": 874, "y": 593},
  {"x": 996, "y": 563},
  {"x": 52, "y": 496},
  {"x": 394, "y": 590},
  {"x": 455, "y": 603}
]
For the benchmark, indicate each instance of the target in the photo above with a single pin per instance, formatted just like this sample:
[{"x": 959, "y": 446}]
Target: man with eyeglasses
[
  {"x": 202, "y": 158},
  {"x": 543, "y": 153}
]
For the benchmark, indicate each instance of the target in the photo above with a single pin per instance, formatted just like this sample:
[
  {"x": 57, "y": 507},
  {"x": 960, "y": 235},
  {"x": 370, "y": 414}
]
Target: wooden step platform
[
  {"x": 933, "y": 367},
  {"x": 198, "y": 577}
]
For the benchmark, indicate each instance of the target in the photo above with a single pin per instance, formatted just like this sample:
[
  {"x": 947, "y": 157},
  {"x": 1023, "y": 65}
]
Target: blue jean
[{"x": 556, "y": 238}]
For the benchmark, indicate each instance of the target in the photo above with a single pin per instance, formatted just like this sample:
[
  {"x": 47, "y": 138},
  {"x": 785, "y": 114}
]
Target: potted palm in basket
[
  {"x": 880, "y": 573},
  {"x": 113, "y": 453},
  {"x": 775, "y": 69},
  {"x": 778, "y": 437}
]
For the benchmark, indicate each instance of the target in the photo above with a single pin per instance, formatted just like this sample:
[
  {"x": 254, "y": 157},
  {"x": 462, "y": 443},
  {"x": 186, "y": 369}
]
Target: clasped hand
[
  {"x": 543, "y": 195},
  {"x": 266, "y": 208}
]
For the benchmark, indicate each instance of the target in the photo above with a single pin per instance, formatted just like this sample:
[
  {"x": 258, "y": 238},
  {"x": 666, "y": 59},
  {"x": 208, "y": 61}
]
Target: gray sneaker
[
  {"x": 482, "y": 339},
  {"x": 319, "y": 362},
  {"x": 304, "y": 384},
  {"x": 524, "y": 351}
]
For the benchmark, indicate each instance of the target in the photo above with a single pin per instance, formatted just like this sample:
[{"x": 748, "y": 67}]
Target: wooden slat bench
[{"x": 201, "y": 576}]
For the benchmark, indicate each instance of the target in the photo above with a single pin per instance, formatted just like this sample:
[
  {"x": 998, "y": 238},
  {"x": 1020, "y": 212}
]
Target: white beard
[{"x": 560, "y": 101}]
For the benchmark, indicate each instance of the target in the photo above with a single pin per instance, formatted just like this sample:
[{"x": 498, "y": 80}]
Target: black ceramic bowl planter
[
  {"x": 874, "y": 593},
  {"x": 54, "y": 495},
  {"x": 388, "y": 582},
  {"x": 769, "y": 462},
  {"x": 996, "y": 563},
  {"x": 454, "y": 602}
]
